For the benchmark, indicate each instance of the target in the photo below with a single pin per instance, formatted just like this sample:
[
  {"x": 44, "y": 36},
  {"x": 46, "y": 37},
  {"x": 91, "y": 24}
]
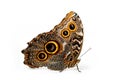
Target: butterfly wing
[
  {"x": 71, "y": 31},
  {"x": 59, "y": 48}
]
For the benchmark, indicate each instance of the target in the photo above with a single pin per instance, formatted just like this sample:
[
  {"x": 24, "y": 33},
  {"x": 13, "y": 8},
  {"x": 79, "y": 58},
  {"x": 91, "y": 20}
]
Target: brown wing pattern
[{"x": 59, "y": 48}]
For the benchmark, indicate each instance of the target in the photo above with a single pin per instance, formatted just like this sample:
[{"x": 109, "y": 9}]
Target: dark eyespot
[
  {"x": 42, "y": 56},
  {"x": 51, "y": 47},
  {"x": 65, "y": 33},
  {"x": 72, "y": 26}
]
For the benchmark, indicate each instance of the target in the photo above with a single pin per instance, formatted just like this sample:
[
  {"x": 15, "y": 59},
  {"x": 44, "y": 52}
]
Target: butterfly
[{"x": 59, "y": 48}]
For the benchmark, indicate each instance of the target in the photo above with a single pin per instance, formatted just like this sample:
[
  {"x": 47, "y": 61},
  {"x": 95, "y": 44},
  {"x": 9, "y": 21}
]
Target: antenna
[
  {"x": 86, "y": 52},
  {"x": 81, "y": 56}
]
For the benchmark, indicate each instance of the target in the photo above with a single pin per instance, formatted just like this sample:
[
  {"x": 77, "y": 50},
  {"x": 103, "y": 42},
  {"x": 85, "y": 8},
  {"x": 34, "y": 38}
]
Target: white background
[{"x": 22, "y": 20}]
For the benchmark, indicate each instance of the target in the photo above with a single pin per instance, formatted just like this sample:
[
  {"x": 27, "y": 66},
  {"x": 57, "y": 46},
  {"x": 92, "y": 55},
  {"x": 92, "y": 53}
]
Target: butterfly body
[{"x": 59, "y": 48}]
